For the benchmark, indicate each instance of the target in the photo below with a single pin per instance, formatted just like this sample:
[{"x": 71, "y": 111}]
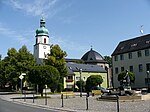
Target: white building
[
  {"x": 132, "y": 55},
  {"x": 42, "y": 46}
]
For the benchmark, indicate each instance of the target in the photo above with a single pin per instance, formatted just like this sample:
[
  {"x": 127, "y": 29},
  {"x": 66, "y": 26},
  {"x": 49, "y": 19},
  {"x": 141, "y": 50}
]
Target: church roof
[
  {"x": 42, "y": 31},
  {"x": 92, "y": 56},
  {"x": 131, "y": 45}
]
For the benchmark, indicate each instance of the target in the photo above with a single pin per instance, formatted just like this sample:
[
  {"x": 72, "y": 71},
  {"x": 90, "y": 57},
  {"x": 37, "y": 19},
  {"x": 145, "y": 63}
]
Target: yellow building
[
  {"x": 94, "y": 64},
  {"x": 75, "y": 71}
]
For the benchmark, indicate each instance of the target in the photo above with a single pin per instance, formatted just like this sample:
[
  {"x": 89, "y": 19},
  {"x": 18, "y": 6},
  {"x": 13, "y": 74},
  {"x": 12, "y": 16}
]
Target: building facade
[
  {"x": 132, "y": 55},
  {"x": 83, "y": 71}
]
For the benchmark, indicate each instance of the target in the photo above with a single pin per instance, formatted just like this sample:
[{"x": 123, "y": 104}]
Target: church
[{"x": 94, "y": 63}]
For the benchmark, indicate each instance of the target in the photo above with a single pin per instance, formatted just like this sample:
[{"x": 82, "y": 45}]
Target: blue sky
[{"x": 75, "y": 25}]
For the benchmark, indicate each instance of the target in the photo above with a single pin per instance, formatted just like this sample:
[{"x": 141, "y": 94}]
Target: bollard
[
  {"x": 62, "y": 100},
  {"x": 45, "y": 98},
  {"x": 33, "y": 96},
  {"x": 24, "y": 95},
  {"x": 117, "y": 103},
  {"x": 87, "y": 106}
]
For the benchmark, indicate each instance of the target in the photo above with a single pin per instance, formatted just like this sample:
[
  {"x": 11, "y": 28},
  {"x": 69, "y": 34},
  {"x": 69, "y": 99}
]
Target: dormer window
[
  {"x": 91, "y": 58},
  {"x": 134, "y": 45},
  {"x": 122, "y": 48},
  {"x": 147, "y": 41}
]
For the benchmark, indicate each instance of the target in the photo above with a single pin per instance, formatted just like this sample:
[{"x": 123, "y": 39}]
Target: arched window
[
  {"x": 36, "y": 40},
  {"x": 44, "y": 40}
]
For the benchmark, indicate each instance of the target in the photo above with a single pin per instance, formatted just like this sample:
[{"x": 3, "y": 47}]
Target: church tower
[{"x": 42, "y": 46}]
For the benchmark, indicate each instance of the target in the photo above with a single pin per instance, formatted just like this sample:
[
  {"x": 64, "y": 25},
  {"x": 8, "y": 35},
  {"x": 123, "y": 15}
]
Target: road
[{"x": 6, "y": 106}]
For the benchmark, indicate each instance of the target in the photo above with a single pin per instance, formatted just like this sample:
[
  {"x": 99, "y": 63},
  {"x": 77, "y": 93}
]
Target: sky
[{"x": 75, "y": 25}]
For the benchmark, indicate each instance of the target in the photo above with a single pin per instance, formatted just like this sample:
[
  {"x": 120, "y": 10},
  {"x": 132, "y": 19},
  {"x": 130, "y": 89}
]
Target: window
[
  {"x": 91, "y": 58},
  {"x": 139, "y": 53},
  {"x": 140, "y": 67},
  {"x": 147, "y": 42},
  {"x": 146, "y": 52},
  {"x": 116, "y": 70},
  {"x": 116, "y": 58},
  {"x": 134, "y": 45},
  {"x": 44, "y": 40},
  {"x": 130, "y": 55},
  {"x": 36, "y": 40},
  {"x": 122, "y": 69},
  {"x": 70, "y": 77},
  {"x": 77, "y": 78},
  {"x": 69, "y": 86},
  {"x": 131, "y": 68},
  {"x": 121, "y": 57},
  {"x": 148, "y": 67}
]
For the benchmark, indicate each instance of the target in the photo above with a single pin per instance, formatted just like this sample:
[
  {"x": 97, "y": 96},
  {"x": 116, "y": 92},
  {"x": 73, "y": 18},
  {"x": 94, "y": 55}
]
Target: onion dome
[
  {"x": 42, "y": 31},
  {"x": 93, "y": 57}
]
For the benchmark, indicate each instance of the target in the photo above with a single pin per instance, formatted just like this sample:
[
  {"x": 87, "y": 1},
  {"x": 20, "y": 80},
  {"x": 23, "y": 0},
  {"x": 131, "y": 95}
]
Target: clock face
[{"x": 44, "y": 47}]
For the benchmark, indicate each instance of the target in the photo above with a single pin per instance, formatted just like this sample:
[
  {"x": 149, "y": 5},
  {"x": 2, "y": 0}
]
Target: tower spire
[{"x": 42, "y": 22}]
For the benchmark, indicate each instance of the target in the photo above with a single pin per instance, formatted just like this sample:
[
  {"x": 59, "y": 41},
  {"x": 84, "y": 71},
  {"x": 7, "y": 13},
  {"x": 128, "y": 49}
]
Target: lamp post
[
  {"x": 80, "y": 70},
  {"x": 148, "y": 80}
]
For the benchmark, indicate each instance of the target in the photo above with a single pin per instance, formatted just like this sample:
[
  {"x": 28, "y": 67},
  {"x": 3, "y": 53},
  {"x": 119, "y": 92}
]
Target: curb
[
  {"x": 44, "y": 106},
  {"x": 39, "y": 106}
]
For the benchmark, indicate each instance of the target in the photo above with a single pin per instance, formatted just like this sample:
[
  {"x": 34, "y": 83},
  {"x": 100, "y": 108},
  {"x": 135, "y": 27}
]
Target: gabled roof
[
  {"x": 131, "y": 45},
  {"x": 85, "y": 68}
]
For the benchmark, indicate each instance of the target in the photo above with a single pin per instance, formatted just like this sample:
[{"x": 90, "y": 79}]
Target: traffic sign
[
  {"x": 23, "y": 74},
  {"x": 21, "y": 77}
]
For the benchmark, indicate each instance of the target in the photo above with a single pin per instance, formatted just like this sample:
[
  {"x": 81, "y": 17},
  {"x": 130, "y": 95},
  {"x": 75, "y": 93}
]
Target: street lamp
[
  {"x": 80, "y": 70},
  {"x": 148, "y": 80}
]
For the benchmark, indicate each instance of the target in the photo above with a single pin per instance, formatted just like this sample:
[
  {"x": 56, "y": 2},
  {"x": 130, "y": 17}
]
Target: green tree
[
  {"x": 56, "y": 58},
  {"x": 16, "y": 63},
  {"x": 9, "y": 67},
  {"x": 81, "y": 84},
  {"x": 2, "y": 76},
  {"x": 42, "y": 75},
  {"x": 109, "y": 60},
  {"x": 93, "y": 81},
  {"x": 123, "y": 74}
]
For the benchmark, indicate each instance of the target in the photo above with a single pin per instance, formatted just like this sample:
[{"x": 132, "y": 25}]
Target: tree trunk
[{"x": 41, "y": 90}]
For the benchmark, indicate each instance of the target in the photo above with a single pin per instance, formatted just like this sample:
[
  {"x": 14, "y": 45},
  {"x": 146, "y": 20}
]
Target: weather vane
[{"x": 141, "y": 29}]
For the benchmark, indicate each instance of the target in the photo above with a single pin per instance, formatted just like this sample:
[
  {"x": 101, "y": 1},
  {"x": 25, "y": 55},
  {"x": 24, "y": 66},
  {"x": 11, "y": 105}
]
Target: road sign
[
  {"x": 23, "y": 74},
  {"x": 21, "y": 77}
]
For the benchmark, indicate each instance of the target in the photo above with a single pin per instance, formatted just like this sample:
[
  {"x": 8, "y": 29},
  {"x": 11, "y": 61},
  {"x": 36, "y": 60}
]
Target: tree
[
  {"x": 16, "y": 63},
  {"x": 109, "y": 60},
  {"x": 42, "y": 75},
  {"x": 2, "y": 77},
  {"x": 123, "y": 74},
  {"x": 93, "y": 81},
  {"x": 56, "y": 58},
  {"x": 80, "y": 84},
  {"x": 9, "y": 67}
]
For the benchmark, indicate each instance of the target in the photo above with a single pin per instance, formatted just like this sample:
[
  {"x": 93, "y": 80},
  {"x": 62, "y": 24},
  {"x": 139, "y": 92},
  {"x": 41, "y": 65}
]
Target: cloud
[
  {"x": 9, "y": 33},
  {"x": 46, "y": 8}
]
